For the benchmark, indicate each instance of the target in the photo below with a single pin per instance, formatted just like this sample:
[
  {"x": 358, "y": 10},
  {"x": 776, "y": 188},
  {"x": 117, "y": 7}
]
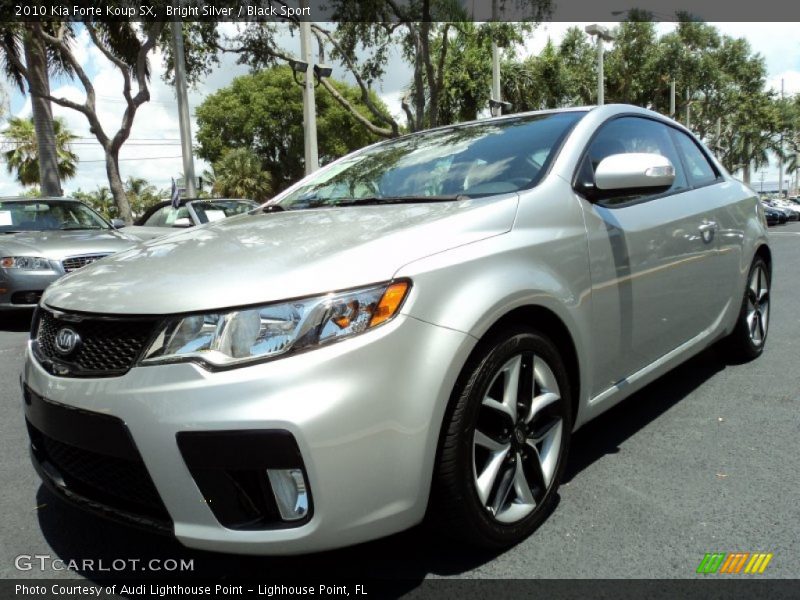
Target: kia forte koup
[{"x": 415, "y": 329}]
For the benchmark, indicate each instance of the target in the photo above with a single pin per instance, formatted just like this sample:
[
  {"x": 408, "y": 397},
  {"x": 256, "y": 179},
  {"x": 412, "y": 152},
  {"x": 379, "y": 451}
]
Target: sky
[{"x": 153, "y": 149}]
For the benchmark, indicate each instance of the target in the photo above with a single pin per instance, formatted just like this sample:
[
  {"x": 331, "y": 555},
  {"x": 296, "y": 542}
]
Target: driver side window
[{"x": 632, "y": 135}]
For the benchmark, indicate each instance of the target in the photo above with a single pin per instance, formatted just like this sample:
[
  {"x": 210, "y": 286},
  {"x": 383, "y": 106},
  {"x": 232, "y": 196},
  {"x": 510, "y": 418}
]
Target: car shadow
[
  {"x": 16, "y": 320},
  {"x": 605, "y": 434},
  {"x": 403, "y": 559}
]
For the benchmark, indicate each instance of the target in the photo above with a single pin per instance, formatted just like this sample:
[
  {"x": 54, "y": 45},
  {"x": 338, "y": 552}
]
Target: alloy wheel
[
  {"x": 758, "y": 305},
  {"x": 517, "y": 439}
]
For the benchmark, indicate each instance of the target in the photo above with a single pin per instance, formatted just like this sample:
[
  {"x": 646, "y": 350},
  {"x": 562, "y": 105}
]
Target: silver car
[
  {"x": 41, "y": 239},
  {"x": 417, "y": 328},
  {"x": 164, "y": 218}
]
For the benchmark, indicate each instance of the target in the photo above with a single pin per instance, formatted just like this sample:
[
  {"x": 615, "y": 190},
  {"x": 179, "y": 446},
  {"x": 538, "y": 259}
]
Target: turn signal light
[{"x": 390, "y": 301}]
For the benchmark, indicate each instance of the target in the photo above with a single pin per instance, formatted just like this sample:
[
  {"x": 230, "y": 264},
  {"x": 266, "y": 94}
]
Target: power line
[{"x": 127, "y": 159}]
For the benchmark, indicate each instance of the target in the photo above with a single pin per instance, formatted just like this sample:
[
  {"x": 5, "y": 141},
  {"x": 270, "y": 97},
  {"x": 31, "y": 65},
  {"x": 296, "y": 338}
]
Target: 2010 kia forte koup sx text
[{"x": 415, "y": 329}]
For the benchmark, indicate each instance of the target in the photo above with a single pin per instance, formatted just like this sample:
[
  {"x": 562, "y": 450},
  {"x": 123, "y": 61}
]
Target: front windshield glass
[
  {"x": 215, "y": 210},
  {"x": 475, "y": 160},
  {"x": 48, "y": 215}
]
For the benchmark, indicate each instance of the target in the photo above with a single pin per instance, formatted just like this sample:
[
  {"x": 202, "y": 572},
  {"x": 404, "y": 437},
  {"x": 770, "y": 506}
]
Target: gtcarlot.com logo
[
  {"x": 734, "y": 562},
  {"x": 45, "y": 562}
]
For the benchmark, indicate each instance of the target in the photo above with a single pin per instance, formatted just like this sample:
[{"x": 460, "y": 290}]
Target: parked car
[
  {"x": 416, "y": 328},
  {"x": 164, "y": 218},
  {"x": 42, "y": 239},
  {"x": 787, "y": 208},
  {"x": 773, "y": 215}
]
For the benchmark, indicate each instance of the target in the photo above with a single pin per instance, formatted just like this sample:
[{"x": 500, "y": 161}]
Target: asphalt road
[{"x": 703, "y": 460}]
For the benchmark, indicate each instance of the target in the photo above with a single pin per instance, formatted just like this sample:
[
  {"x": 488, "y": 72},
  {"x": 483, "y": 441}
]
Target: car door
[
  {"x": 648, "y": 257},
  {"x": 731, "y": 209}
]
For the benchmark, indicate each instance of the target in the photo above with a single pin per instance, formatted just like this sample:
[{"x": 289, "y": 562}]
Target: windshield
[
  {"x": 474, "y": 160},
  {"x": 48, "y": 215},
  {"x": 215, "y": 210}
]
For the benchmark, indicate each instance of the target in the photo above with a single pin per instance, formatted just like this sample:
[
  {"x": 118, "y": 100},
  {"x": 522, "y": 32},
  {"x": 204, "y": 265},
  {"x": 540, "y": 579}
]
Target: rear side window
[{"x": 699, "y": 169}]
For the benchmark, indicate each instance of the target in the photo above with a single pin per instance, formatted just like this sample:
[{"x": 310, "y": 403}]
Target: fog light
[{"x": 291, "y": 492}]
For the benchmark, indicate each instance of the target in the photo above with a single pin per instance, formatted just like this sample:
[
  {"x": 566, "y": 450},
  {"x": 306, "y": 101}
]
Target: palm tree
[
  {"x": 23, "y": 156},
  {"x": 238, "y": 174},
  {"x": 141, "y": 194},
  {"x": 26, "y": 61}
]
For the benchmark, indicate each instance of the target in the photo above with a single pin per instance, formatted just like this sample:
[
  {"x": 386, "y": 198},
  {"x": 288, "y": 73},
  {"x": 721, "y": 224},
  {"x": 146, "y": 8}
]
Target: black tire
[
  {"x": 456, "y": 508},
  {"x": 740, "y": 344}
]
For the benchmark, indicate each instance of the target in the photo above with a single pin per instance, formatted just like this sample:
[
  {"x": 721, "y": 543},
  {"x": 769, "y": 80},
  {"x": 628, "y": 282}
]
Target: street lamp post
[
  {"x": 184, "y": 119},
  {"x": 603, "y": 35},
  {"x": 309, "y": 101}
]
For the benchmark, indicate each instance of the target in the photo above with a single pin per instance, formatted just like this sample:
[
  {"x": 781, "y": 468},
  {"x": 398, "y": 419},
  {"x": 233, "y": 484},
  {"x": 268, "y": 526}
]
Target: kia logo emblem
[{"x": 67, "y": 340}]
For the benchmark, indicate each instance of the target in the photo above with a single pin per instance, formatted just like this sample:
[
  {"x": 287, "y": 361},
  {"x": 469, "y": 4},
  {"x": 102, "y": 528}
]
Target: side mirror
[
  {"x": 183, "y": 222},
  {"x": 627, "y": 173},
  {"x": 117, "y": 223}
]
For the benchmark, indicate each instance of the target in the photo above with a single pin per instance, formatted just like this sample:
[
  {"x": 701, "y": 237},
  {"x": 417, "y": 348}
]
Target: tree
[
  {"x": 23, "y": 156},
  {"x": 141, "y": 194},
  {"x": 28, "y": 62},
  {"x": 101, "y": 200},
  {"x": 120, "y": 43},
  {"x": 264, "y": 113},
  {"x": 238, "y": 174}
]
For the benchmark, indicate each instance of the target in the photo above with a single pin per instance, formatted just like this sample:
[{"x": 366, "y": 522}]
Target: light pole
[
  {"x": 184, "y": 120},
  {"x": 602, "y": 34},
  {"x": 309, "y": 102}
]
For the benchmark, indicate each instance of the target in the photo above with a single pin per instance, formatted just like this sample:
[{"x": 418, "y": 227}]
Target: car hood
[
  {"x": 57, "y": 245},
  {"x": 261, "y": 258}
]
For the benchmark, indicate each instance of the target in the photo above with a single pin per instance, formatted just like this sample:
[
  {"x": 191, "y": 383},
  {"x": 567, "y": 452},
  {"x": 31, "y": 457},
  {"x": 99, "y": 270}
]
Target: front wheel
[
  {"x": 505, "y": 443},
  {"x": 748, "y": 339}
]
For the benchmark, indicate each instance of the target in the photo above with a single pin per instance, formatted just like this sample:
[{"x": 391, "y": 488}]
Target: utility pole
[
  {"x": 309, "y": 101},
  {"x": 672, "y": 99},
  {"x": 183, "y": 109},
  {"x": 497, "y": 109},
  {"x": 688, "y": 110},
  {"x": 780, "y": 156}
]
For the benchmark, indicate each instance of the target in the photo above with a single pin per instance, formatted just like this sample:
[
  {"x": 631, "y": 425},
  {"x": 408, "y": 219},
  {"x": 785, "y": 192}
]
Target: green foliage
[
  {"x": 22, "y": 156},
  {"x": 140, "y": 193},
  {"x": 238, "y": 174},
  {"x": 101, "y": 200},
  {"x": 263, "y": 112}
]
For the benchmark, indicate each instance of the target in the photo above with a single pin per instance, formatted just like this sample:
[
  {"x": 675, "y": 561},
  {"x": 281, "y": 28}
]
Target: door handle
[{"x": 707, "y": 230}]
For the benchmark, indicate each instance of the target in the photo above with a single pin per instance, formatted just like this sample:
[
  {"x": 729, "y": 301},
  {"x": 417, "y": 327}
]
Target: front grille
[
  {"x": 107, "y": 346},
  {"x": 76, "y": 262}
]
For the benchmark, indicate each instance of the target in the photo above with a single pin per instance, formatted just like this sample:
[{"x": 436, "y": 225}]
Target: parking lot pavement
[{"x": 703, "y": 460}]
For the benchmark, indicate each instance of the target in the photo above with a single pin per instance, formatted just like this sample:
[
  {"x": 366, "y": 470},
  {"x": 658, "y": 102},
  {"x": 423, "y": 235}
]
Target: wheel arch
[
  {"x": 764, "y": 252},
  {"x": 543, "y": 320}
]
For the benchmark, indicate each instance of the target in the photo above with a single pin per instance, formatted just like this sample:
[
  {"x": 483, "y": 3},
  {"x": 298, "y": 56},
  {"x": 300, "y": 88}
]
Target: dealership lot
[{"x": 704, "y": 460}]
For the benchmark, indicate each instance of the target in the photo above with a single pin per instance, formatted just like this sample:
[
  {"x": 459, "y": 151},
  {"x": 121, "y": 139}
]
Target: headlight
[
  {"x": 26, "y": 263},
  {"x": 230, "y": 338}
]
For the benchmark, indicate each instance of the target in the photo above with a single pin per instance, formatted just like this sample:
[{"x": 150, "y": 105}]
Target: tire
[
  {"x": 467, "y": 502},
  {"x": 747, "y": 340}
]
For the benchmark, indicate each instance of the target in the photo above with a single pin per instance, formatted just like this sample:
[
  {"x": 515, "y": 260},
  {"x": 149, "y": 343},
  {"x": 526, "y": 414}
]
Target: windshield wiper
[
  {"x": 376, "y": 200},
  {"x": 273, "y": 208},
  {"x": 76, "y": 228},
  {"x": 16, "y": 231}
]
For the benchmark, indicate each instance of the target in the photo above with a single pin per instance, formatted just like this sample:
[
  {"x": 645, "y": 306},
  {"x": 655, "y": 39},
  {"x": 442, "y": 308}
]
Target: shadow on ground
[
  {"x": 407, "y": 557},
  {"x": 15, "y": 320}
]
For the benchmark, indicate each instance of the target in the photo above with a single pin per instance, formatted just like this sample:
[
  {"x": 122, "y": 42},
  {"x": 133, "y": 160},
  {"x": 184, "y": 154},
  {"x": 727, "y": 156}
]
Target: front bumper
[
  {"x": 365, "y": 413},
  {"x": 16, "y": 285}
]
